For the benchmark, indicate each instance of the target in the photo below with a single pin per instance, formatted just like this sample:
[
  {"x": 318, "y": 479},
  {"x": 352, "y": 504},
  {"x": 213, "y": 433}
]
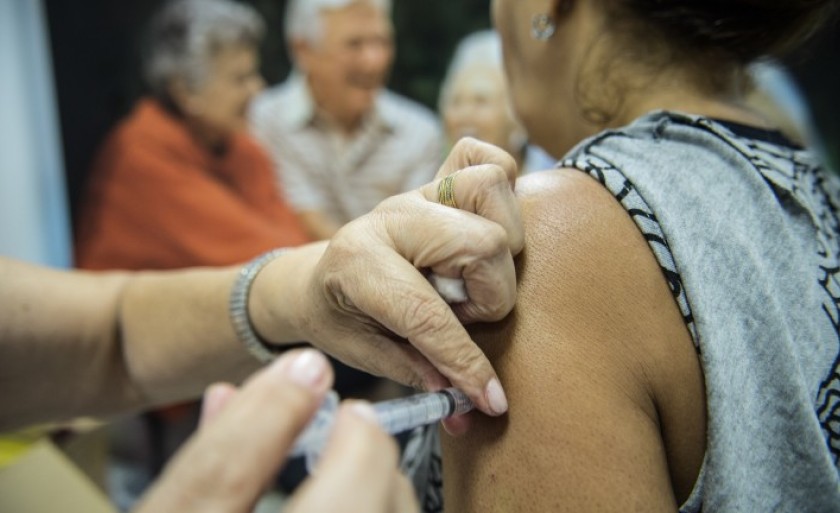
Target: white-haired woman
[
  {"x": 474, "y": 101},
  {"x": 179, "y": 182}
]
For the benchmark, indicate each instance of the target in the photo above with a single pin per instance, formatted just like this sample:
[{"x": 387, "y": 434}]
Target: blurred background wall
[
  {"x": 34, "y": 225},
  {"x": 95, "y": 53}
]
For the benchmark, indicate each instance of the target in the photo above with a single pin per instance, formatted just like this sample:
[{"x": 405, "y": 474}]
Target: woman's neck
[
  {"x": 214, "y": 141},
  {"x": 685, "y": 102},
  {"x": 680, "y": 97}
]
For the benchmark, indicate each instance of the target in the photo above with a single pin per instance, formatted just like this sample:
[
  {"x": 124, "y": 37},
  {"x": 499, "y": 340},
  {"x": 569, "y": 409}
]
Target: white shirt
[{"x": 397, "y": 148}]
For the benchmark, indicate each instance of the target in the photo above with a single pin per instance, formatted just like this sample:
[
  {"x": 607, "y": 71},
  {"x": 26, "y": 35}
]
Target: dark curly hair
[
  {"x": 742, "y": 30},
  {"x": 713, "y": 40}
]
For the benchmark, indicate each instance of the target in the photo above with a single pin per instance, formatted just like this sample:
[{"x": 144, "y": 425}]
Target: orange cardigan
[{"x": 157, "y": 199}]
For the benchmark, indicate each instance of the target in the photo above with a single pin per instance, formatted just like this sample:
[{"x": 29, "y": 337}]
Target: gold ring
[{"x": 446, "y": 192}]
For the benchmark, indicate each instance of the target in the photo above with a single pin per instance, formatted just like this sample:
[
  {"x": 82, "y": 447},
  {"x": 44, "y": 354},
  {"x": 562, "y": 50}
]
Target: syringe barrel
[{"x": 400, "y": 415}]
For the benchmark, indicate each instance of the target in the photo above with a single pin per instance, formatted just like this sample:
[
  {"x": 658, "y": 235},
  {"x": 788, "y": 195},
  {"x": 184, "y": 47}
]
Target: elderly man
[{"x": 340, "y": 141}]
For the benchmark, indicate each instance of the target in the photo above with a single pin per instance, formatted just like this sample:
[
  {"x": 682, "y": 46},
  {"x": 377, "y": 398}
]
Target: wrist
[
  {"x": 239, "y": 304},
  {"x": 277, "y": 305}
]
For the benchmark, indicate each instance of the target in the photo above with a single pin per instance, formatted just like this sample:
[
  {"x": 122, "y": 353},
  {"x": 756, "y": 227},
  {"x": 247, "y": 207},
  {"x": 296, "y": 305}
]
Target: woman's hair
[
  {"x": 303, "y": 17},
  {"x": 186, "y": 34},
  {"x": 741, "y": 30},
  {"x": 712, "y": 40}
]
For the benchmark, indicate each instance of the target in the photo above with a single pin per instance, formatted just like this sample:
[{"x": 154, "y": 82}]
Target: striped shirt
[{"x": 397, "y": 148}]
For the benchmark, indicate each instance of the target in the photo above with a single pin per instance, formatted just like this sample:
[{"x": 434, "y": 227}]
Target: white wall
[{"x": 34, "y": 222}]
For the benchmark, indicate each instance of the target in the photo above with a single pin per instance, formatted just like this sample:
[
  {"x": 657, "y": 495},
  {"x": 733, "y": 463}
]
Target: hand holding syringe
[{"x": 395, "y": 416}]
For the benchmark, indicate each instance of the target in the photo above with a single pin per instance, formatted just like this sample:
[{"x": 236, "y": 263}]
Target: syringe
[{"x": 395, "y": 416}]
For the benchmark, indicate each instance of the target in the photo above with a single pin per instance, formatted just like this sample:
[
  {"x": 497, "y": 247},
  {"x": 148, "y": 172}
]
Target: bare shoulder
[{"x": 606, "y": 394}]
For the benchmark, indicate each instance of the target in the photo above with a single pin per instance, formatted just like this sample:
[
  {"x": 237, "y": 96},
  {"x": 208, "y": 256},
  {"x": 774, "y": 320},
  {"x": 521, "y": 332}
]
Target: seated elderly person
[
  {"x": 180, "y": 182},
  {"x": 474, "y": 102},
  {"x": 341, "y": 142}
]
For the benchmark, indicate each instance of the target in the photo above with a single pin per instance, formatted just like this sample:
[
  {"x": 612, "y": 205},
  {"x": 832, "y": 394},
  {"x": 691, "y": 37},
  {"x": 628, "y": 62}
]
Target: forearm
[
  {"x": 97, "y": 344},
  {"x": 58, "y": 350},
  {"x": 177, "y": 333}
]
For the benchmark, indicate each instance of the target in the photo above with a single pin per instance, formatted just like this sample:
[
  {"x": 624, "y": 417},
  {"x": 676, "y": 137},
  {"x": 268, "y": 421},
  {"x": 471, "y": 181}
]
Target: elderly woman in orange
[
  {"x": 474, "y": 101},
  {"x": 179, "y": 183}
]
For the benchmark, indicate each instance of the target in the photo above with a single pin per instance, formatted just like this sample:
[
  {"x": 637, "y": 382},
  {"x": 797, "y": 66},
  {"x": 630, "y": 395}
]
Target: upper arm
[{"x": 605, "y": 389}]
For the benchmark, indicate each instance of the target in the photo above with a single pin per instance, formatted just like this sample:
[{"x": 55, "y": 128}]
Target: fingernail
[
  {"x": 496, "y": 397},
  {"x": 308, "y": 368},
  {"x": 365, "y": 411},
  {"x": 212, "y": 402}
]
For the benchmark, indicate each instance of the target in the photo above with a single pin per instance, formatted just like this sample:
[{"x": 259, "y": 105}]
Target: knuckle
[
  {"x": 500, "y": 308},
  {"x": 426, "y": 315},
  {"x": 488, "y": 242},
  {"x": 485, "y": 153},
  {"x": 499, "y": 289},
  {"x": 465, "y": 144},
  {"x": 508, "y": 165},
  {"x": 492, "y": 309},
  {"x": 468, "y": 356},
  {"x": 466, "y": 360},
  {"x": 392, "y": 203},
  {"x": 420, "y": 382},
  {"x": 345, "y": 244},
  {"x": 430, "y": 378},
  {"x": 496, "y": 175}
]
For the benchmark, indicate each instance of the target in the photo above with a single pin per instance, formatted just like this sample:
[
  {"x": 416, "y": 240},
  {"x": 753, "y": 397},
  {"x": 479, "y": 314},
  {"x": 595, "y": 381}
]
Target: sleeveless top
[{"x": 745, "y": 228}]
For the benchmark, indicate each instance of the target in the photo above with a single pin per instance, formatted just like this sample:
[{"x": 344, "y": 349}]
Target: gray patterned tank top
[{"x": 746, "y": 231}]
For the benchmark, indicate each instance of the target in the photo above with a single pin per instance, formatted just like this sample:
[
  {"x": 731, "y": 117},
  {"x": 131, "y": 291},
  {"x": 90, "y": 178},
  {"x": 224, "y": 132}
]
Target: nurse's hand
[
  {"x": 368, "y": 301},
  {"x": 246, "y": 434}
]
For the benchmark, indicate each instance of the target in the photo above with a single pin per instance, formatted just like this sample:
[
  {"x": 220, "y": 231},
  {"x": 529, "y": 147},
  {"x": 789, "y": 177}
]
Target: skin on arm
[
  {"x": 74, "y": 343},
  {"x": 317, "y": 224},
  {"x": 108, "y": 342},
  {"x": 607, "y": 404}
]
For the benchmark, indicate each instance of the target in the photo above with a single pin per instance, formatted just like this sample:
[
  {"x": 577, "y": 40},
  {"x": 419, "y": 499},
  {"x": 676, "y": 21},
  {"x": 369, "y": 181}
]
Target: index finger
[
  {"x": 473, "y": 248},
  {"x": 485, "y": 190},
  {"x": 469, "y": 152}
]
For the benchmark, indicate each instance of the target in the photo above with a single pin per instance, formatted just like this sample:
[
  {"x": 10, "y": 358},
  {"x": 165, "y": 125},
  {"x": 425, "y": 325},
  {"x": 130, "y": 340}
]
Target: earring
[{"x": 542, "y": 27}]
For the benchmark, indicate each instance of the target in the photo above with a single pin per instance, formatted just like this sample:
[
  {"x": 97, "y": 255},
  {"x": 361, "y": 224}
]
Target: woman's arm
[
  {"x": 75, "y": 343},
  {"x": 606, "y": 393}
]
